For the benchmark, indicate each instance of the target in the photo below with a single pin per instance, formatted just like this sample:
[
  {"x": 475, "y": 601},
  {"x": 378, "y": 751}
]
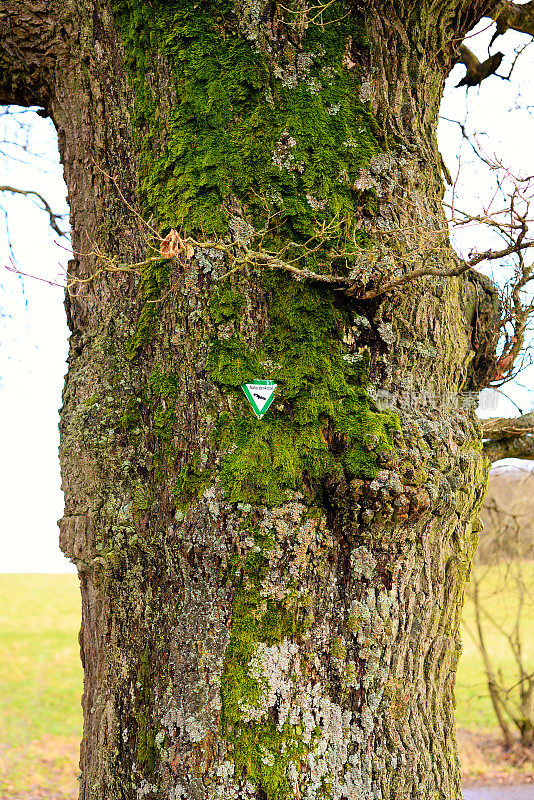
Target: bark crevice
[{"x": 30, "y": 45}]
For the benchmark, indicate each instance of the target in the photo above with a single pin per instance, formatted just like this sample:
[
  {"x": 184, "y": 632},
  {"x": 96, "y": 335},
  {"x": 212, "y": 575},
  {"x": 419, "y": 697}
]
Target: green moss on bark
[
  {"x": 261, "y": 750},
  {"x": 287, "y": 137},
  {"x": 154, "y": 283},
  {"x": 190, "y": 483},
  {"x": 225, "y": 304},
  {"x": 322, "y": 420},
  {"x": 287, "y": 134}
]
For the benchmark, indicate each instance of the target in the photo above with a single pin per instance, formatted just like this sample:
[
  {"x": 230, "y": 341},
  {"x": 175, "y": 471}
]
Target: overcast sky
[
  {"x": 33, "y": 349},
  {"x": 33, "y": 331}
]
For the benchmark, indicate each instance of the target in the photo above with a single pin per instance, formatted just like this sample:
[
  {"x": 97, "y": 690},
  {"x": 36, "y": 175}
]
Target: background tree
[
  {"x": 270, "y": 608},
  {"x": 502, "y": 572},
  {"x": 16, "y": 145}
]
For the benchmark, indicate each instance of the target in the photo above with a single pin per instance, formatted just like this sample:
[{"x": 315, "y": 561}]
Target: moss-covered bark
[{"x": 270, "y": 608}]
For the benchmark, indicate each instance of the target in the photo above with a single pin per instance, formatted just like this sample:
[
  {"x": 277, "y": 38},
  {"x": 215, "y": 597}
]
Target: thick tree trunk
[{"x": 270, "y": 608}]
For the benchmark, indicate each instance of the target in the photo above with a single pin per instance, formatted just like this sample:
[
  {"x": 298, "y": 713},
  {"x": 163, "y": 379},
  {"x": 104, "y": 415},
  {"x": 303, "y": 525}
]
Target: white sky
[
  {"x": 500, "y": 113},
  {"x": 33, "y": 331},
  {"x": 33, "y": 349}
]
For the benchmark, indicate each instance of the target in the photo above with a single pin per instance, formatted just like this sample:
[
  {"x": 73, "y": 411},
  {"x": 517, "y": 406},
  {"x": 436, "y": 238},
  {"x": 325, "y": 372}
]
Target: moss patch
[
  {"x": 225, "y": 304},
  {"x": 235, "y": 114},
  {"x": 322, "y": 420},
  {"x": 285, "y": 132},
  {"x": 154, "y": 283},
  {"x": 261, "y": 751},
  {"x": 190, "y": 483}
]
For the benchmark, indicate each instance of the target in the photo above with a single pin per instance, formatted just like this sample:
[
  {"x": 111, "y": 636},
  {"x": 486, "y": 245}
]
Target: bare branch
[
  {"x": 512, "y": 223},
  {"x": 513, "y": 16},
  {"x": 412, "y": 276},
  {"x": 477, "y": 71},
  {"x": 501, "y": 428},
  {"x": 46, "y": 207},
  {"x": 517, "y": 447},
  {"x": 518, "y": 53},
  {"x": 493, "y": 255},
  {"x": 466, "y": 136}
]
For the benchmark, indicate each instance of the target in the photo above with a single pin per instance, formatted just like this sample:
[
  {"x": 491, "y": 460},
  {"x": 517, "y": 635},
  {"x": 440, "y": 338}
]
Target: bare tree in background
[
  {"x": 503, "y": 570},
  {"x": 17, "y": 145}
]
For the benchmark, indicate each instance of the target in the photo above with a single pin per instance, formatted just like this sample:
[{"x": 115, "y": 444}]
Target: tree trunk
[{"x": 270, "y": 607}]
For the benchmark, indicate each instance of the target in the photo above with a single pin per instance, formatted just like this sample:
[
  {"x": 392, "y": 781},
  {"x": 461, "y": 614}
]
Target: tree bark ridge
[
  {"x": 505, "y": 428},
  {"x": 512, "y": 16},
  {"x": 515, "y": 447},
  {"x": 30, "y": 44}
]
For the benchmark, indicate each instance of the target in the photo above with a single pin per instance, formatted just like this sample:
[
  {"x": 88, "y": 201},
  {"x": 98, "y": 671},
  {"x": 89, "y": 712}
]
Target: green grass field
[
  {"x": 500, "y": 598},
  {"x": 41, "y": 677},
  {"x": 40, "y": 686}
]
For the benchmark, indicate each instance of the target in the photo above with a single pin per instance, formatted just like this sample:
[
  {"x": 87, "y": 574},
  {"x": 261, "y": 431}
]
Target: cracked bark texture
[{"x": 236, "y": 645}]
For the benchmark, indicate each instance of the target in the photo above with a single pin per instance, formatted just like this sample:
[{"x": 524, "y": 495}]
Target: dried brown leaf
[{"x": 169, "y": 245}]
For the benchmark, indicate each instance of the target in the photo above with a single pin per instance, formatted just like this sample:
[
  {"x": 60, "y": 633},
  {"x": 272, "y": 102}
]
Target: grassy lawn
[
  {"x": 500, "y": 598},
  {"x": 41, "y": 685},
  {"x": 481, "y": 753}
]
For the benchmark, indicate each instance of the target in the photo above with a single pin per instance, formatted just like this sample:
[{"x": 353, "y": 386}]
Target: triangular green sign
[{"x": 260, "y": 395}]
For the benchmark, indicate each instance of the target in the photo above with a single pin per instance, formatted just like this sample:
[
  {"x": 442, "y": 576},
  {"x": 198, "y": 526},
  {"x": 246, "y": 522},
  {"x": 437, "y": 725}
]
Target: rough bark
[
  {"x": 270, "y": 608},
  {"x": 514, "y": 16},
  {"x": 505, "y": 428},
  {"x": 514, "y": 447},
  {"x": 509, "y": 438},
  {"x": 30, "y": 42}
]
